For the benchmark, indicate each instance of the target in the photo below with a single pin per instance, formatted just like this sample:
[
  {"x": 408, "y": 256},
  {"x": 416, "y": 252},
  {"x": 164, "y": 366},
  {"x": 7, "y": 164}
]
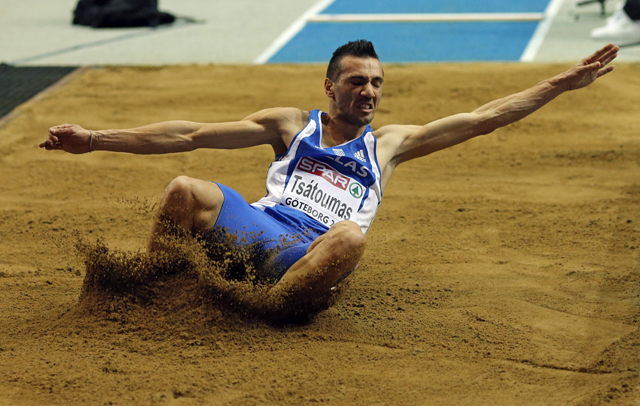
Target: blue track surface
[
  {"x": 413, "y": 42},
  {"x": 435, "y": 6},
  {"x": 418, "y": 42}
]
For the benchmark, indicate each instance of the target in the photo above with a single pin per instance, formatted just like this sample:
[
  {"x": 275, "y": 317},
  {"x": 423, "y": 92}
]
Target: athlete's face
[{"x": 356, "y": 92}]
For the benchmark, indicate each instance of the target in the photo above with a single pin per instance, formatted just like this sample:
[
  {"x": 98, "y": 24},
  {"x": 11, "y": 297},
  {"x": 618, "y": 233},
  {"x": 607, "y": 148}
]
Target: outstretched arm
[
  {"x": 416, "y": 141},
  {"x": 263, "y": 127}
]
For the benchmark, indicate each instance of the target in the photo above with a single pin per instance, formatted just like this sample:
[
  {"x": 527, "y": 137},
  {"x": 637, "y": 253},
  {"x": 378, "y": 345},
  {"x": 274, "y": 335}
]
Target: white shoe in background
[{"x": 619, "y": 27}]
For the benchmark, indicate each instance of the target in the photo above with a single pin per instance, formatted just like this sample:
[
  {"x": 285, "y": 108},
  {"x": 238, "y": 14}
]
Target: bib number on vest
[{"x": 323, "y": 193}]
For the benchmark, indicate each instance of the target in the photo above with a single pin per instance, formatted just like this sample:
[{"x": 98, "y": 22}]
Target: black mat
[{"x": 19, "y": 84}]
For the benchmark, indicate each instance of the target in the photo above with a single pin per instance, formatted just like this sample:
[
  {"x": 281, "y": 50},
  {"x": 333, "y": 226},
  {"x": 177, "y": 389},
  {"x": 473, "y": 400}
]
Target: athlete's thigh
[
  {"x": 246, "y": 223},
  {"x": 274, "y": 243},
  {"x": 342, "y": 241}
]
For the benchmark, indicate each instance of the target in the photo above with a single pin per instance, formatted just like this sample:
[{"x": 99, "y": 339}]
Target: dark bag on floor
[{"x": 120, "y": 13}]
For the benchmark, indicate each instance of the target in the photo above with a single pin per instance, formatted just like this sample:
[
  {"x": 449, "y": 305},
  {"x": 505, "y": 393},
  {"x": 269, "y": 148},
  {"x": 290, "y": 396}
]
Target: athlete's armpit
[{"x": 390, "y": 143}]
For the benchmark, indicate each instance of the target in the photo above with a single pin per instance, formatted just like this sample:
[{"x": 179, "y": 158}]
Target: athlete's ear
[{"x": 328, "y": 88}]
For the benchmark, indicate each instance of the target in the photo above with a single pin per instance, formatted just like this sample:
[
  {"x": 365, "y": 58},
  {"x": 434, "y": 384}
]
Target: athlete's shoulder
[
  {"x": 395, "y": 130},
  {"x": 284, "y": 121},
  {"x": 394, "y": 134},
  {"x": 389, "y": 139},
  {"x": 279, "y": 115}
]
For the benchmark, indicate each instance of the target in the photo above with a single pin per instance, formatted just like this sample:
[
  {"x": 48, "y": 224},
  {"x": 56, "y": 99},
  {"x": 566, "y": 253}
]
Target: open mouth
[{"x": 366, "y": 106}]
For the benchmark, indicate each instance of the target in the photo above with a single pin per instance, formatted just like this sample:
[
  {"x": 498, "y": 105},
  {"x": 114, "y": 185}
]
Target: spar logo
[
  {"x": 326, "y": 172},
  {"x": 356, "y": 190}
]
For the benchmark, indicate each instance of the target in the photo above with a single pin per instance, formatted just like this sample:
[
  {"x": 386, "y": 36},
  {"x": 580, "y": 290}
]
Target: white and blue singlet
[{"x": 309, "y": 189}]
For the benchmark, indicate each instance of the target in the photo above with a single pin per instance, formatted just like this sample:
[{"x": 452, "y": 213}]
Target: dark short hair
[{"x": 360, "y": 48}]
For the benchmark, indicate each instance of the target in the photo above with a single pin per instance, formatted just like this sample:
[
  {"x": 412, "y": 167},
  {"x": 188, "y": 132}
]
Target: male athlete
[{"x": 330, "y": 169}]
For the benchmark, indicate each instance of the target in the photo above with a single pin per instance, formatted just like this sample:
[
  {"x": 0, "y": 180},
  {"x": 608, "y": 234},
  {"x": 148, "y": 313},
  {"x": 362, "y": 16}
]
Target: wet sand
[{"x": 502, "y": 271}]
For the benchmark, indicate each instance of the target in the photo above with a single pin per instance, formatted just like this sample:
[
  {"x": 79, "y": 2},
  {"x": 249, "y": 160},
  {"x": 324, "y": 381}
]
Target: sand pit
[{"x": 502, "y": 271}]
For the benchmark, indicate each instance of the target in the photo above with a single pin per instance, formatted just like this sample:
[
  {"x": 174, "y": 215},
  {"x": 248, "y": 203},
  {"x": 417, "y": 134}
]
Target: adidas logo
[
  {"x": 360, "y": 156},
  {"x": 338, "y": 151}
]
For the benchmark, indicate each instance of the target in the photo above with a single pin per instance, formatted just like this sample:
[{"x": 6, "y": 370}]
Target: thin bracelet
[{"x": 90, "y": 141}]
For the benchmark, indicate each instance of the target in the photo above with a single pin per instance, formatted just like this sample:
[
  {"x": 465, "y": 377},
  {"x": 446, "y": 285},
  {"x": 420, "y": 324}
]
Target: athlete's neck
[{"x": 336, "y": 131}]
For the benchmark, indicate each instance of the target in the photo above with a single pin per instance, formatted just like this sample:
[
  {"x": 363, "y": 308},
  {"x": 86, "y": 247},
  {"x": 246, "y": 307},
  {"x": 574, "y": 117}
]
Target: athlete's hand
[
  {"x": 68, "y": 137},
  {"x": 591, "y": 68}
]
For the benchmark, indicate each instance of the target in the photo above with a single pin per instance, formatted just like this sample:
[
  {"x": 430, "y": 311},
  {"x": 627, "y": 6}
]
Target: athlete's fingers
[
  {"x": 598, "y": 54},
  {"x": 47, "y": 145},
  {"x": 606, "y": 70},
  {"x": 46, "y": 142},
  {"x": 595, "y": 66},
  {"x": 62, "y": 128},
  {"x": 587, "y": 69},
  {"x": 610, "y": 56}
]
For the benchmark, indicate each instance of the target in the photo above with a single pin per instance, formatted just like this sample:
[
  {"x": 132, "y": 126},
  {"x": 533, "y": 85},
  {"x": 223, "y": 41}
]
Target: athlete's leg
[
  {"x": 190, "y": 205},
  {"x": 328, "y": 259}
]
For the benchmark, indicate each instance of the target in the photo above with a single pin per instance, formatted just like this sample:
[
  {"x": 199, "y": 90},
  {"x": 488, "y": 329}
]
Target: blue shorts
[{"x": 283, "y": 233}]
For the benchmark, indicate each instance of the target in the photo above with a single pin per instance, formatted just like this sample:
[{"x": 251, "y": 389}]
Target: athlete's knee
[
  {"x": 179, "y": 199},
  {"x": 192, "y": 203},
  {"x": 348, "y": 238},
  {"x": 180, "y": 188},
  {"x": 193, "y": 193}
]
